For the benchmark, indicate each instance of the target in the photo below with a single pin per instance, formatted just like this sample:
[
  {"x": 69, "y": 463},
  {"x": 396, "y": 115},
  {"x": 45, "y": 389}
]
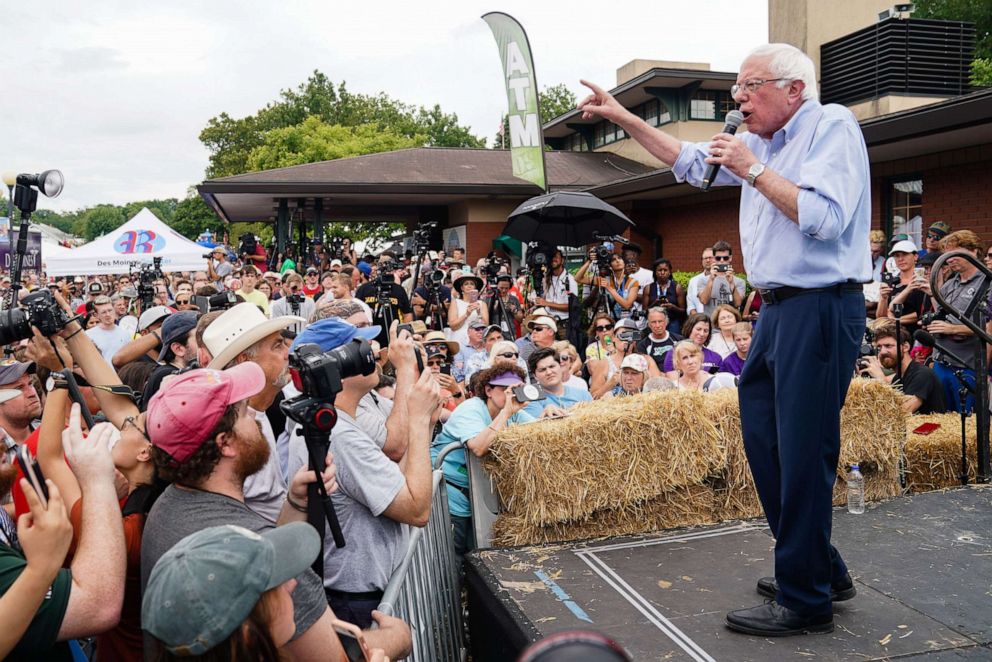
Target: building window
[
  {"x": 906, "y": 200},
  {"x": 598, "y": 136},
  {"x": 710, "y": 105}
]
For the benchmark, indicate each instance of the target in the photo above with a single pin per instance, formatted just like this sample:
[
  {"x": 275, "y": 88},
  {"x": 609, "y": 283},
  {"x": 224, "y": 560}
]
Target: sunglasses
[
  {"x": 722, "y": 258},
  {"x": 565, "y": 358},
  {"x": 933, "y": 236},
  {"x": 509, "y": 355},
  {"x": 538, "y": 327},
  {"x": 603, "y": 327},
  {"x": 182, "y": 302}
]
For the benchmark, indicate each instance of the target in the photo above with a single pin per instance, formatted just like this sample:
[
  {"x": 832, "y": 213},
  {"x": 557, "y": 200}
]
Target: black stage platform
[{"x": 922, "y": 566}]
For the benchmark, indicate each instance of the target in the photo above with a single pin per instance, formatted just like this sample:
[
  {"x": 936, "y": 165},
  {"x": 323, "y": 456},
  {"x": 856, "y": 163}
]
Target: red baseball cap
[{"x": 187, "y": 408}]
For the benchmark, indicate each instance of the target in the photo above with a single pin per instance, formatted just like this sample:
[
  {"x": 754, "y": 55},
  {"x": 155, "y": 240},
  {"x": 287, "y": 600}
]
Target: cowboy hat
[
  {"x": 437, "y": 337},
  {"x": 238, "y": 329}
]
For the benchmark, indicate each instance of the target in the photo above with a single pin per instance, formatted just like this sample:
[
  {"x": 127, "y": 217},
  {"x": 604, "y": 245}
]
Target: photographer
[
  {"x": 922, "y": 391},
  {"x": 721, "y": 285},
  {"x": 218, "y": 268},
  {"x": 293, "y": 301},
  {"x": 558, "y": 285},
  {"x": 904, "y": 289},
  {"x": 386, "y": 297},
  {"x": 505, "y": 309},
  {"x": 621, "y": 290},
  {"x": 467, "y": 309},
  {"x": 959, "y": 291},
  {"x": 376, "y": 496},
  {"x": 251, "y": 251}
]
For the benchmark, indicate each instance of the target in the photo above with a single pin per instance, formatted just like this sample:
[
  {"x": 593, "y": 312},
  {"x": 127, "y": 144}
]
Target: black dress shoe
[
  {"x": 773, "y": 620},
  {"x": 839, "y": 592}
]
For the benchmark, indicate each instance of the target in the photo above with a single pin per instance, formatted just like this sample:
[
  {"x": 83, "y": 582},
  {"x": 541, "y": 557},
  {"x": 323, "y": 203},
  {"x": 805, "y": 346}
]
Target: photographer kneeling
[{"x": 921, "y": 388}]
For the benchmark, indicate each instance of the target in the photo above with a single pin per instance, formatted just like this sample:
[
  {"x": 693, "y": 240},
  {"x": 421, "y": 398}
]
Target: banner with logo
[
  {"x": 32, "y": 256},
  {"x": 526, "y": 134},
  {"x": 130, "y": 246}
]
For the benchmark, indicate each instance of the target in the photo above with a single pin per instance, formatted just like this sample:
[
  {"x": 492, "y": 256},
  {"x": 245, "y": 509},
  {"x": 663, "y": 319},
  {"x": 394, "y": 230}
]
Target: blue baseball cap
[
  {"x": 364, "y": 267},
  {"x": 174, "y": 327},
  {"x": 334, "y": 332}
]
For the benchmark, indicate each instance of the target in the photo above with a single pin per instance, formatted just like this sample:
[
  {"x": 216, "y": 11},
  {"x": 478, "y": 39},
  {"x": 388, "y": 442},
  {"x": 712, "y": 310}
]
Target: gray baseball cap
[
  {"x": 202, "y": 589},
  {"x": 12, "y": 371}
]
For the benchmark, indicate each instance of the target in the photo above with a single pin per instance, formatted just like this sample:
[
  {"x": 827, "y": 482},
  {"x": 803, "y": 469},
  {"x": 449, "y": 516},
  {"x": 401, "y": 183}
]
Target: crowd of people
[{"x": 191, "y": 454}]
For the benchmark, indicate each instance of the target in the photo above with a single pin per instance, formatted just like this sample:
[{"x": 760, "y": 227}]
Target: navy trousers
[{"x": 791, "y": 391}]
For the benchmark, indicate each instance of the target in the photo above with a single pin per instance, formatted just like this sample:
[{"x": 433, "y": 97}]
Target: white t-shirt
[
  {"x": 108, "y": 342},
  {"x": 557, "y": 292},
  {"x": 265, "y": 490}
]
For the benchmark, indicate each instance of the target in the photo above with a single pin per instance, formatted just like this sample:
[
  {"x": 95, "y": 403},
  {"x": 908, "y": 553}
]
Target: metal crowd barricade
[{"x": 424, "y": 590}]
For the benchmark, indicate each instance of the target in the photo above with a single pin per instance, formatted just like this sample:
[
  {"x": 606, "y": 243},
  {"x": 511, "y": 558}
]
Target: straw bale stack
[
  {"x": 933, "y": 461},
  {"x": 663, "y": 460},
  {"x": 607, "y": 455},
  {"x": 684, "y": 506}
]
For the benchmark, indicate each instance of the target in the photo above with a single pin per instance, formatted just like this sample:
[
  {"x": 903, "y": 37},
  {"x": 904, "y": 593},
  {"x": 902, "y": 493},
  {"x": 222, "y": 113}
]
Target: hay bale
[
  {"x": 933, "y": 461},
  {"x": 684, "y": 506},
  {"x": 734, "y": 493},
  {"x": 872, "y": 430},
  {"x": 607, "y": 455}
]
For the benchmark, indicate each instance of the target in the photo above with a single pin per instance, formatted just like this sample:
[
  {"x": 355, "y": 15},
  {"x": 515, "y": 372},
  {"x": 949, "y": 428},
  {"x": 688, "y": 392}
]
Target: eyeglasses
[
  {"x": 722, "y": 258},
  {"x": 130, "y": 420},
  {"x": 604, "y": 327},
  {"x": 565, "y": 358},
  {"x": 751, "y": 85},
  {"x": 433, "y": 364},
  {"x": 509, "y": 355},
  {"x": 182, "y": 302},
  {"x": 989, "y": 254},
  {"x": 931, "y": 235},
  {"x": 538, "y": 327}
]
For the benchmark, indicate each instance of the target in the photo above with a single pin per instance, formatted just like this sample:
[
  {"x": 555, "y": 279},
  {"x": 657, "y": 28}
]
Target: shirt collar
[{"x": 793, "y": 125}]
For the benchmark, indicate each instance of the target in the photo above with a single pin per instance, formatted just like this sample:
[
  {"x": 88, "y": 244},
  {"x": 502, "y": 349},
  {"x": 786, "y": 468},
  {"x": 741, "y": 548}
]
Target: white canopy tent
[{"x": 128, "y": 247}]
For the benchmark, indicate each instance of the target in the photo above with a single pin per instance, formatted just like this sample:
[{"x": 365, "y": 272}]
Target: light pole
[{"x": 9, "y": 179}]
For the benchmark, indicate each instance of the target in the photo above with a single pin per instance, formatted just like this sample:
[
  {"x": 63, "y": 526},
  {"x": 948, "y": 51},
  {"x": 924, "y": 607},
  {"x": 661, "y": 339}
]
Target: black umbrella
[{"x": 565, "y": 218}]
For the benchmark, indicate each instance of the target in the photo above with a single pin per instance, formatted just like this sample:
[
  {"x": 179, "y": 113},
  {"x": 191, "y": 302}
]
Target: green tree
[
  {"x": 194, "y": 216},
  {"x": 231, "y": 141},
  {"x": 313, "y": 140},
  {"x": 98, "y": 221},
  {"x": 978, "y": 12},
  {"x": 553, "y": 101}
]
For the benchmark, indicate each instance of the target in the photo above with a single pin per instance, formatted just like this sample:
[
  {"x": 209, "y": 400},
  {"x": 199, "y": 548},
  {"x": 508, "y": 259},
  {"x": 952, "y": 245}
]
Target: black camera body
[
  {"x": 539, "y": 264},
  {"x": 220, "y": 301},
  {"x": 318, "y": 374},
  {"x": 890, "y": 279},
  {"x": 933, "y": 316},
  {"x": 248, "y": 244},
  {"x": 336, "y": 248},
  {"x": 422, "y": 235},
  {"x": 38, "y": 309},
  {"x": 722, "y": 268},
  {"x": 146, "y": 277},
  {"x": 602, "y": 260}
]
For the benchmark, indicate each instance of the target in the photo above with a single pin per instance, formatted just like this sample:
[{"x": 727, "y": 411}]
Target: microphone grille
[
  {"x": 734, "y": 118},
  {"x": 924, "y": 338}
]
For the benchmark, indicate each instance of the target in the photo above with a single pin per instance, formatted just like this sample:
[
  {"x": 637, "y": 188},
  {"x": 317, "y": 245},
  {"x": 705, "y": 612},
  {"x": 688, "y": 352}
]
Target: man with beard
[
  {"x": 207, "y": 443},
  {"x": 377, "y": 496},
  {"x": 243, "y": 334},
  {"x": 558, "y": 285},
  {"x": 19, "y": 402},
  {"x": 922, "y": 392},
  {"x": 42, "y": 604}
]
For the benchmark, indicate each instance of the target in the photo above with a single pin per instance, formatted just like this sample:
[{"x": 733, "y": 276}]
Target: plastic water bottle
[{"x": 855, "y": 491}]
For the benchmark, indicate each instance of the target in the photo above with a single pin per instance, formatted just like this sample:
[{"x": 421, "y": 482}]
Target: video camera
[
  {"x": 539, "y": 264},
  {"x": 335, "y": 248},
  {"x": 220, "y": 301},
  {"x": 146, "y": 277},
  {"x": 601, "y": 260},
  {"x": 38, "y": 309},
  {"x": 422, "y": 235},
  {"x": 867, "y": 349},
  {"x": 384, "y": 274},
  {"x": 248, "y": 244},
  {"x": 933, "y": 316}
]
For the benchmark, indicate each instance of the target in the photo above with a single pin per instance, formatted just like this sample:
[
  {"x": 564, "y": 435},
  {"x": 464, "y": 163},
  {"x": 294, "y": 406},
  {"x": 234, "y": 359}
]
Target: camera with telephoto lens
[
  {"x": 248, "y": 244},
  {"x": 539, "y": 264},
  {"x": 295, "y": 299},
  {"x": 318, "y": 374},
  {"x": 146, "y": 277},
  {"x": 867, "y": 349},
  {"x": 38, "y": 309},
  {"x": 220, "y": 301},
  {"x": 336, "y": 248},
  {"x": 933, "y": 316},
  {"x": 385, "y": 272}
]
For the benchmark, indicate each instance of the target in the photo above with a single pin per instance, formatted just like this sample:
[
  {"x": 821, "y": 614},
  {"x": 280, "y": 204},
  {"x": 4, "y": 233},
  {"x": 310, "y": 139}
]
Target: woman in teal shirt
[{"x": 474, "y": 424}]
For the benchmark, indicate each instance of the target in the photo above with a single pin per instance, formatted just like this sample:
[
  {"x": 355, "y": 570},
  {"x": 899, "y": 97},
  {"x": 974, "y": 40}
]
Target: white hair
[{"x": 787, "y": 62}]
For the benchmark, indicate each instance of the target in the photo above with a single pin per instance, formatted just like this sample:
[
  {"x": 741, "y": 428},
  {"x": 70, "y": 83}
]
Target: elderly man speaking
[{"x": 804, "y": 220}]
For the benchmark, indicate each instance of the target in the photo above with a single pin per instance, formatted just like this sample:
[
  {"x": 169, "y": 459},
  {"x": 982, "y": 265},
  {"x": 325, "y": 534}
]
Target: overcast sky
[{"x": 115, "y": 93}]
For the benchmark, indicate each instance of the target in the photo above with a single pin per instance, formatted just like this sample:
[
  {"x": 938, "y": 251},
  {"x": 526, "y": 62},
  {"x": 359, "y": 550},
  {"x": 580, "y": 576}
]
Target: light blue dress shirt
[{"x": 822, "y": 150}]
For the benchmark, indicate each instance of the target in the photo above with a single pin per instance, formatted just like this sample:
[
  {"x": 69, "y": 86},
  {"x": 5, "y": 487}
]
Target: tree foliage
[
  {"x": 553, "y": 101},
  {"x": 978, "y": 12},
  {"x": 314, "y": 140},
  {"x": 231, "y": 141}
]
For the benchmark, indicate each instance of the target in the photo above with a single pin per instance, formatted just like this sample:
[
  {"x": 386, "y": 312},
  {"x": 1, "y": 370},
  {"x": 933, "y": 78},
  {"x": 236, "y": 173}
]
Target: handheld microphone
[
  {"x": 733, "y": 120},
  {"x": 925, "y": 338}
]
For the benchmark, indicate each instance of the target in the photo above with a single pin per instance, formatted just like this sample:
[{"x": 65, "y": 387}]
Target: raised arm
[{"x": 601, "y": 103}]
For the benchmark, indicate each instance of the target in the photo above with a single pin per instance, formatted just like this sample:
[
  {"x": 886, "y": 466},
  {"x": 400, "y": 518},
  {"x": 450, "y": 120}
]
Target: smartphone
[
  {"x": 473, "y": 296},
  {"x": 927, "y": 428},
  {"x": 446, "y": 369},
  {"x": 919, "y": 272},
  {"x": 352, "y": 640},
  {"x": 31, "y": 470},
  {"x": 528, "y": 393}
]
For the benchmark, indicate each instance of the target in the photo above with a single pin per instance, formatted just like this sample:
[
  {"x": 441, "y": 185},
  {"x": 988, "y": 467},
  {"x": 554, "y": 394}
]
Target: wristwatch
[{"x": 754, "y": 172}]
